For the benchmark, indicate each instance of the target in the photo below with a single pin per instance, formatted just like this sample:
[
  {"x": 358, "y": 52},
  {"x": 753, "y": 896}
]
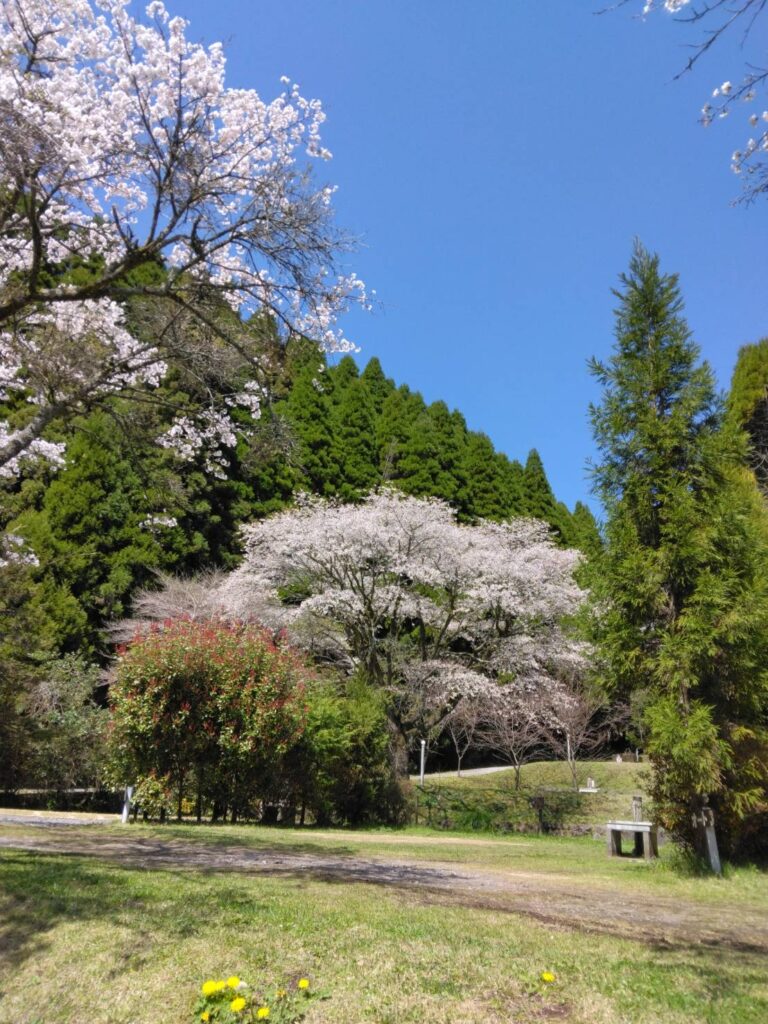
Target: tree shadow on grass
[
  {"x": 115, "y": 877},
  {"x": 163, "y": 906},
  {"x": 40, "y": 892},
  {"x": 154, "y": 902}
]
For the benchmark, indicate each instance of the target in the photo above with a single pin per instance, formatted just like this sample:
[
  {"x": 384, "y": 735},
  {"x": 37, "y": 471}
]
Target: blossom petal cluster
[
  {"x": 14, "y": 551},
  {"x": 426, "y": 605},
  {"x": 751, "y": 160},
  {"x": 122, "y": 148}
]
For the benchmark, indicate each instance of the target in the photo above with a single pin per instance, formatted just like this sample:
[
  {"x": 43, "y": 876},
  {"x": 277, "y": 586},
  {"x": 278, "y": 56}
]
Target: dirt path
[{"x": 557, "y": 900}]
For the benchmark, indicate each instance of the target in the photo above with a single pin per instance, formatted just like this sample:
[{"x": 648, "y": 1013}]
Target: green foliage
[
  {"x": 748, "y": 404},
  {"x": 123, "y": 508},
  {"x": 427, "y": 459},
  {"x": 497, "y": 808},
  {"x": 687, "y": 753},
  {"x": 205, "y": 708},
  {"x": 539, "y": 500},
  {"x": 153, "y": 795},
  {"x": 512, "y": 477},
  {"x": 585, "y": 532},
  {"x": 51, "y": 729},
  {"x": 378, "y": 386},
  {"x": 68, "y": 725},
  {"x": 307, "y": 410},
  {"x": 353, "y": 431},
  {"x": 88, "y": 536},
  {"x": 680, "y": 591},
  {"x": 25, "y": 642},
  {"x": 484, "y": 492},
  {"x": 395, "y": 425},
  {"x": 353, "y": 423},
  {"x": 340, "y": 771}
]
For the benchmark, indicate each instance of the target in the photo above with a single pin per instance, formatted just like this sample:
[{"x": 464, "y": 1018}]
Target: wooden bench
[{"x": 645, "y": 835}]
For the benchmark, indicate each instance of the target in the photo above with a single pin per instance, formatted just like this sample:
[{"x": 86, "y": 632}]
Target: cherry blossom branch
[{"x": 122, "y": 149}]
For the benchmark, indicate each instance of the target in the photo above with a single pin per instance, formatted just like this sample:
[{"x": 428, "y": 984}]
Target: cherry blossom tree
[
  {"x": 145, "y": 210},
  {"x": 748, "y": 97},
  {"x": 430, "y": 610}
]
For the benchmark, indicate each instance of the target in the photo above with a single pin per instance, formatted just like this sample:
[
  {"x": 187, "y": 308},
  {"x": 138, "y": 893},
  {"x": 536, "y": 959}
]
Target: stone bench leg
[
  {"x": 614, "y": 842},
  {"x": 650, "y": 845}
]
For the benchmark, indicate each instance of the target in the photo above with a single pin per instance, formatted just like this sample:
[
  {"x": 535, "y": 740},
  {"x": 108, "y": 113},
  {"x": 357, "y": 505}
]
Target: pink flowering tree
[
  {"x": 432, "y": 611},
  {"x": 129, "y": 173},
  {"x": 747, "y": 96}
]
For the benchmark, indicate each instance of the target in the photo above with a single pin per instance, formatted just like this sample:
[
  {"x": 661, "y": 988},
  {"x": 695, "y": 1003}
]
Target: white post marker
[
  {"x": 126, "y": 805},
  {"x": 423, "y": 761}
]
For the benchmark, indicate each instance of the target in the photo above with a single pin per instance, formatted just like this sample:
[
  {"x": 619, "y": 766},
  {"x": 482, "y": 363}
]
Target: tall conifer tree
[
  {"x": 512, "y": 482},
  {"x": 539, "y": 500},
  {"x": 432, "y": 456},
  {"x": 342, "y": 375},
  {"x": 483, "y": 493},
  {"x": 354, "y": 433},
  {"x": 681, "y": 589},
  {"x": 586, "y": 533},
  {"x": 379, "y": 387},
  {"x": 748, "y": 405},
  {"x": 393, "y": 429},
  {"x": 308, "y": 411}
]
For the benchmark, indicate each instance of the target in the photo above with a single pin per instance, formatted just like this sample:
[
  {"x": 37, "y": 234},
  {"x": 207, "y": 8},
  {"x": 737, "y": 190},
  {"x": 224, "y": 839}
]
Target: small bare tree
[
  {"x": 512, "y": 729},
  {"x": 574, "y": 722},
  {"x": 465, "y": 726},
  {"x": 193, "y": 598}
]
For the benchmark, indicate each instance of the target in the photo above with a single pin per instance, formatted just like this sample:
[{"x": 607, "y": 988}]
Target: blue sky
[{"x": 496, "y": 159}]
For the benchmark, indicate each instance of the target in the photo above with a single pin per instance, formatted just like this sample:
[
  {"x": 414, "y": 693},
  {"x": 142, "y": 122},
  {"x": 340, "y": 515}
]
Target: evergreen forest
[{"x": 123, "y": 509}]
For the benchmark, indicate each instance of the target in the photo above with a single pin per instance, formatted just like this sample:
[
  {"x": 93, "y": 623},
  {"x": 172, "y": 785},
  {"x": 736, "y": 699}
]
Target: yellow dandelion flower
[
  {"x": 237, "y": 1004},
  {"x": 303, "y": 983},
  {"x": 262, "y": 1013},
  {"x": 233, "y": 982},
  {"x": 205, "y": 1015},
  {"x": 220, "y": 986},
  {"x": 209, "y": 987},
  {"x": 547, "y": 976}
]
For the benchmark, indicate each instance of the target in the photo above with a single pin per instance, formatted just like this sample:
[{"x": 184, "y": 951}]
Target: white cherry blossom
[
  {"x": 431, "y": 610},
  {"x": 714, "y": 20},
  {"x": 122, "y": 148},
  {"x": 14, "y": 551}
]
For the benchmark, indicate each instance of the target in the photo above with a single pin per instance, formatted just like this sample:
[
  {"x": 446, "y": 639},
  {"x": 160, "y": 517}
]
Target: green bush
[
  {"x": 339, "y": 772},
  {"x": 204, "y": 710}
]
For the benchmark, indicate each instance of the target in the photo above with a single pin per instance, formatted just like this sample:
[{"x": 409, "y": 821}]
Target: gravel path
[
  {"x": 557, "y": 900},
  {"x": 56, "y": 818}
]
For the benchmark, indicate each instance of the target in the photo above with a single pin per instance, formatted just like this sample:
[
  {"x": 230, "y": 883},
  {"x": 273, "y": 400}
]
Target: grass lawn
[
  {"x": 82, "y": 939},
  {"x": 492, "y": 801},
  {"x": 627, "y": 777}
]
